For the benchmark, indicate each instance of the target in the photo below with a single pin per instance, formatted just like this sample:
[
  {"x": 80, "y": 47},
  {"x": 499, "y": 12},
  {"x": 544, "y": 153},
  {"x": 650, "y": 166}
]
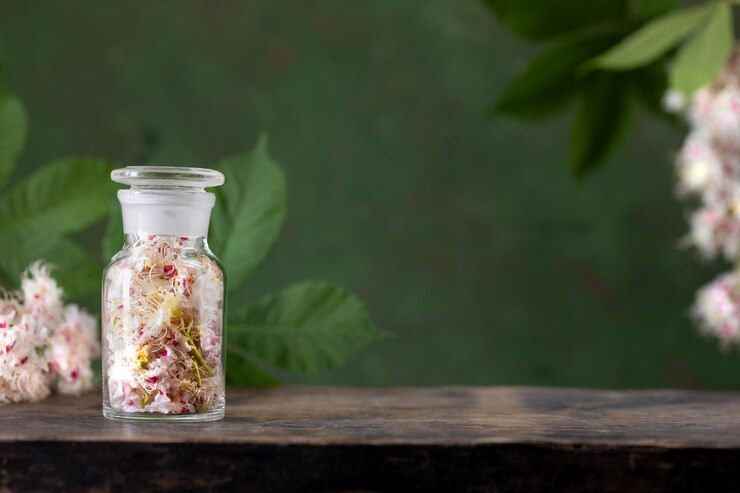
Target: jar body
[{"x": 163, "y": 330}]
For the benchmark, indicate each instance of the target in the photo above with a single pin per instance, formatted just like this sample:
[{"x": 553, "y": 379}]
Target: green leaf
[
  {"x": 13, "y": 132},
  {"x": 249, "y": 212},
  {"x": 76, "y": 271},
  {"x": 702, "y": 57},
  {"x": 304, "y": 328},
  {"x": 549, "y": 82},
  {"x": 241, "y": 371},
  {"x": 600, "y": 123},
  {"x": 74, "y": 268},
  {"x": 59, "y": 198},
  {"x": 649, "y": 9},
  {"x": 113, "y": 238},
  {"x": 649, "y": 85},
  {"x": 546, "y": 19},
  {"x": 654, "y": 39}
]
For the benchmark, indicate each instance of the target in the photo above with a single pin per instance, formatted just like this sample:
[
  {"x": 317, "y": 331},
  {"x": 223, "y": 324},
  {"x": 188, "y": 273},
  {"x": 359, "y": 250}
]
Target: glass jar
[{"x": 163, "y": 301}]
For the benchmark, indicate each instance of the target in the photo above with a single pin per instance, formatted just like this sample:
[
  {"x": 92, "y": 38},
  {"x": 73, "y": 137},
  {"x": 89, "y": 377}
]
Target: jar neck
[
  {"x": 174, "y": 242},
  {"x": 159, "y": 212}
]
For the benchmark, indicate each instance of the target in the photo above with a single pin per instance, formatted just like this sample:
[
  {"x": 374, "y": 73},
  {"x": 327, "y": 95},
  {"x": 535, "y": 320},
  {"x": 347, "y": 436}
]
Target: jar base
[{"x": 199, "y": 417}]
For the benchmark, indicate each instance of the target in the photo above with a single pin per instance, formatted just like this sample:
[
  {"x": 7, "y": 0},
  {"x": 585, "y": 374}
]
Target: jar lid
[{"x": 167, "y": 176}]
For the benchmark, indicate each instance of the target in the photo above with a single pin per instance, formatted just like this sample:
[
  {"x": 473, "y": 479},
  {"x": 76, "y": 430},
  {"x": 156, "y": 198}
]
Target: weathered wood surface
[{"x": 403, "y": 439}]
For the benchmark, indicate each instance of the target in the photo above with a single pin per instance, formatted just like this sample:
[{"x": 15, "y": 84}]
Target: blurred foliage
[
  {"x": 465, "y": 237},
  {"x": 41, "y": 211},
  {"x": 307, "y": 327},
  {"x": 634, "y": 42}
]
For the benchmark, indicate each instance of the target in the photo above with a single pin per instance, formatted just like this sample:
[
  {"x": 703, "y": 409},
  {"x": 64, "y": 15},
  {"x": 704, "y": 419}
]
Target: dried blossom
[{"x": 163, "y": 310}]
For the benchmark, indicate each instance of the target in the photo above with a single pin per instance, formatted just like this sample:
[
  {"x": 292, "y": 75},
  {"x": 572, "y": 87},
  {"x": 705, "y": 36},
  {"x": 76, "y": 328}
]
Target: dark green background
[{"x": 466, "y": 237}]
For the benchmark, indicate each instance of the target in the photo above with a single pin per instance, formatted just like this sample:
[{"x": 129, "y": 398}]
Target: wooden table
[{"x": 445, "y": 439}]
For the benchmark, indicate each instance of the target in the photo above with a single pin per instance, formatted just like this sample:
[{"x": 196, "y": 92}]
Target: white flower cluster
[
  {"x": 708, "y": 166},
  {"x": 44, "y": 344},
  {"x": 718, "y": 308},
  {"x": 708, "y": 173}
]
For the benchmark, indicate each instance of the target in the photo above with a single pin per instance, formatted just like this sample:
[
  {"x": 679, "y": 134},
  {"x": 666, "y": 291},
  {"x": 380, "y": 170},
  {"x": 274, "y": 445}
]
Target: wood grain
[{"x": 399, "y": 439}]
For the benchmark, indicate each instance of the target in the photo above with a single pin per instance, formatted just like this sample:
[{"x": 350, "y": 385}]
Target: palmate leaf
[
  {"x": 249, "y": 212},
  {"x": 74, "y": 268},
  {"x": 60, "y": 198},
  {"x": 13, "y": 132},
  {"x": 601, "y": 122},
  {"x": 241, "y": 371},
  {"x": 702, "y": 57},
  {"x": 546, "y": 19},
  {"x": 305, "y": 328},
  {"x": 654, "y": 39},
  {"x": 549, "y": 82}
]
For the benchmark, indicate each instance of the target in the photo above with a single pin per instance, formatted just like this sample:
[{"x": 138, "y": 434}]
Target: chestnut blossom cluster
[
  {"x": 718, "y": 308},
  {"x": 44, "y": 345},
  {"x": 163, "y": 318},
  {"x": 708, "y": 175}
]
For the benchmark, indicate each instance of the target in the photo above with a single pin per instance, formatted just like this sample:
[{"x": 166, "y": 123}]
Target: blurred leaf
[
  {"x": 600, "y": 123},
  {"x": 13, "y": 131},
  {"x": 654, "y": 39},
  {"x": 702, "y": 57},
  {"x": 113, "y": 238},
  {"x": 649, "y": 85},
  {"x": 304, "y": 328},
  {"x": 549, "y": 82},
  {"x": 59, "y": 198},
  {"x": 241, "y": 371},
  {"x": 649, "y": 9},
  {"x": 249, "y": 212},
  {"x": 74, "y": 269},
  {"x": 545, "y": 19}
]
